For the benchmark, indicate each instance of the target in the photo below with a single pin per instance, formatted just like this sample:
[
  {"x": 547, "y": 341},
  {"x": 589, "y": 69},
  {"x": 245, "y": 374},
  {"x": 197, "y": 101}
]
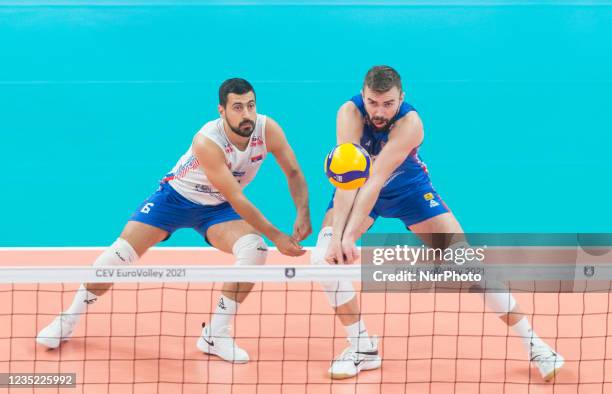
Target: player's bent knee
[
  {"x": 119, "y": 253},
  {"x": 496, "y": 296},
  {"x": 502, "y": 303},
  {"x": 250, "y": 249},
  {"x": 337, "y": 293}
]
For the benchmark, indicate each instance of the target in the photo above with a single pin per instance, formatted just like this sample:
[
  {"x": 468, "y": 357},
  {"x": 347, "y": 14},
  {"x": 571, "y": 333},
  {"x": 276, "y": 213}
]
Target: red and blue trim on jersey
[{"x": 189, "y": 165}]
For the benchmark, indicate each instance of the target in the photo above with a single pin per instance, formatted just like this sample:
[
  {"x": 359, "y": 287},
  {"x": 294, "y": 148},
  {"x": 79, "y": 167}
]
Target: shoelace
[
  {"x": 354, "y": 350},
  {"x": 349, "y": 354}
]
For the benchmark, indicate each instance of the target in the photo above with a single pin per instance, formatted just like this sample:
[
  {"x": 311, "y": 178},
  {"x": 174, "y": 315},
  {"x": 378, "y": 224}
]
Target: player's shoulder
[
  {"x": 408, "y": 127},
  {"x": 271, "y": 126},
  {"x": 272, "y": 133},
  {"x": 263, "y": 120},
  {"x": 266, "y": 119},
  {"x": 350, "y": 108},
  {"x": 208, "y": 133},
  {"x": 209, "y": 127},
  {"x": 410, "y": 119}
]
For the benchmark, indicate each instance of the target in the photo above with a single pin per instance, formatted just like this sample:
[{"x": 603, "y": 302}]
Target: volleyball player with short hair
[
  {"x": 204, "y": 192},
  {"x": 399, "y": 187}
]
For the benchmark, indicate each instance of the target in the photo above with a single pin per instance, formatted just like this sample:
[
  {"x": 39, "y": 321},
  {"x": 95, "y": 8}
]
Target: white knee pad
[
  {"x": 119, "y": 253},
  {"x": 250, "y": 249},
  {"x": 496, "y": 296},
  {"x": 338, "y": 292},
  {"x": 500, "y": 303}
]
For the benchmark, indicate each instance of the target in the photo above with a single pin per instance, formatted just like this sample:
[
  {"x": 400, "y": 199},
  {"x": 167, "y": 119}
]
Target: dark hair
[
  {"x": 233, "y": 85},
  {"x": 381, "y": 79}
]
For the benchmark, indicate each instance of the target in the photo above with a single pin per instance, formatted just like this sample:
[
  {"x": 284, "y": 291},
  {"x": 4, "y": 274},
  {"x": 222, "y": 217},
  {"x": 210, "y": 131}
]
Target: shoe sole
[
  {"x": 552, "y": 375},
  {"x": 50, "y": 343},
  {"x": 366, "y": 366},
  {"x": 205, "y": 348}
]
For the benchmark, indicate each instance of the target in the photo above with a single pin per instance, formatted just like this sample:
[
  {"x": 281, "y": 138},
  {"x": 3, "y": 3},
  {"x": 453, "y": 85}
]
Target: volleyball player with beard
[
  {"x": 204, "y": 192},
  {"x": 399, "y": 187}
]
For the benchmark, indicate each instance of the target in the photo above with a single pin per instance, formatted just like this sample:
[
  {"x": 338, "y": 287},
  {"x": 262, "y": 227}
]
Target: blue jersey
[{"x": 409, "y": 176}]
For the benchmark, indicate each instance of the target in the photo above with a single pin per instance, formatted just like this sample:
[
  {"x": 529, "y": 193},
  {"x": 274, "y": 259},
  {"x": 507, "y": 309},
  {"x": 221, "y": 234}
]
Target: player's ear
[
  {"x": 402, "y": 97},
  {"x": 220, "y": 109}
]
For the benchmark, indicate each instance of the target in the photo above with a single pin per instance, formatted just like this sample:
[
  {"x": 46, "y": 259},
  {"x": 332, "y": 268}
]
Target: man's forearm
[
  {"x": 343, "y": 203},
  {"x": 299, "y": 192},
  {"x": 364, "y": 203}
]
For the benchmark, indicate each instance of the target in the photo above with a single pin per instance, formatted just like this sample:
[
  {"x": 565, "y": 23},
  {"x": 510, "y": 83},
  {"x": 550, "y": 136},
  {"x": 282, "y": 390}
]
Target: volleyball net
[{"x": 141, "y": 335}]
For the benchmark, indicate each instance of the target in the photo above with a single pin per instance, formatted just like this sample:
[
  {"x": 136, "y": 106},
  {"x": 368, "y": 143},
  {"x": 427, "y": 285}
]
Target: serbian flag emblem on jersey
[{"x": 257, "y": 158}]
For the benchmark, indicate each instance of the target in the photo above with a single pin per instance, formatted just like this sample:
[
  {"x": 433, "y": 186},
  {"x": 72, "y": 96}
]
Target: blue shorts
[
  {"x": 411, "y": 208},
  {"x": 168, "y": 210}
]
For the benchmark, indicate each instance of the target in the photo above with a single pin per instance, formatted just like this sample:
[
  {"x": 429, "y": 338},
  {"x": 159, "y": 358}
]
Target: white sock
[
  {"x": 358, "y": 334},
  {"x": 224, "y": 314},
  {"x": 524, "y": 330},
  {"x": 82, "y": 299}
]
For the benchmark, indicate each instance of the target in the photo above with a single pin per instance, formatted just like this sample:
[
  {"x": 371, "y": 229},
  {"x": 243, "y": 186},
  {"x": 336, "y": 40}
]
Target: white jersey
[{"x": 189, "y": 179}]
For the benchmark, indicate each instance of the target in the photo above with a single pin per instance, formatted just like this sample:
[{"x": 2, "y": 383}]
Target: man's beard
[
  {"x": 384, "y": 127},
  {"x": 243, "y": 132}
]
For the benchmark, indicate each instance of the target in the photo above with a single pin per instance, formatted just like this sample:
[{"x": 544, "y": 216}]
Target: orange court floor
[{"x": 140, "y": 338}]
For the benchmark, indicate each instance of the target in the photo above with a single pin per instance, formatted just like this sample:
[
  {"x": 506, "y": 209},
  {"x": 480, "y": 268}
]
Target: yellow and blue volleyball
[{"x": 347, "y": 166}]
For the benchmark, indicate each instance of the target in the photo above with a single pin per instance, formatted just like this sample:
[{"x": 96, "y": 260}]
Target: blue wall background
[{"x": 98, "y": 102}]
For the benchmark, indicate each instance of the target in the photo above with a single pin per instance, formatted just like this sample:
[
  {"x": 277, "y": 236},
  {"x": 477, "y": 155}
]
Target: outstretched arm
[
  {"x": 406, "y": 135},
  {"x": 349, "y": 128},
  {"x": 212, "y": 160},
  {"x": 278, "y": 145}
]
